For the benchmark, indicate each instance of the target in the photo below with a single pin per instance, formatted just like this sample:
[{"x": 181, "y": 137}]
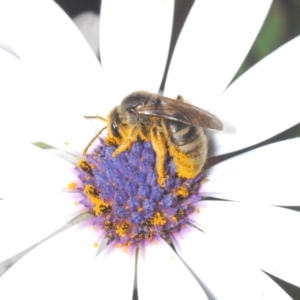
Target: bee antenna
[
  {"x": 95, "y": 117},
  {"x": 92, "y": 140}
]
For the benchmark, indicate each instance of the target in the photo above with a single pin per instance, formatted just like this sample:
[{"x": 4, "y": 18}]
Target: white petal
[
  {"x": 214, "y": 41},
  {"x": 36, "y": 38},
  {"x": 27, "y": 170},
  {"x": 88, "y": 24},
  {"x": 269, "y": 174},
  {"x": 134, "y": 44},
  {"x": 225, "y": 276},
  {"x": 267, "y": 233},
  {"x": 24, "y": 223},
  {"x": 261, "y": 103},
  {"x": 34, "y": 205},
  {"x": 7, "y": 48},
  {"x": 60, "y": 79},
  {"x": 53, "y": 270},
  {"x": 162, "y": 275},
  {"x": 70, "y": 157},
  {"x": 112, "y": 272},
  {"x": 10, "y": 67}
]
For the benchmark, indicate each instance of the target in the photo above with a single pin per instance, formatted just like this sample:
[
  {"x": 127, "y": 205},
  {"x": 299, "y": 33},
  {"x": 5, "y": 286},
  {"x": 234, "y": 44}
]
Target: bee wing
[{"x": 179, "y": 111}]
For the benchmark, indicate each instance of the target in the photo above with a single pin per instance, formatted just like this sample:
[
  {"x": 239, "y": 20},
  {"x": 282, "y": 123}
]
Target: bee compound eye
[{"x": 114, "y": 129}]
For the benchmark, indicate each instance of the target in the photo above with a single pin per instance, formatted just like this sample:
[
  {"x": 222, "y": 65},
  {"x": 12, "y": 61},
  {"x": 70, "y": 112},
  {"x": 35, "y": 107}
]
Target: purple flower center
[{"x": 125, "y": 198}]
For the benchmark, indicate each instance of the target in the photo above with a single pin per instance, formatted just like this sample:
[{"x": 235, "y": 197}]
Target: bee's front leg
[{"x": 132, "y": 137}]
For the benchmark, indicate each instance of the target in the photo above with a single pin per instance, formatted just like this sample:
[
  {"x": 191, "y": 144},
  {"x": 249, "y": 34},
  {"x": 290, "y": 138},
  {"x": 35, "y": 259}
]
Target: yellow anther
[
  {"x": 84, "y": 166},
  {"x": 121, "y": 229},
  {"x": 159, "y": 219},
  {"x": 100, "y": 207},
  {"x": 90, "y": 191},
  {"x": 182, "y": 191}
]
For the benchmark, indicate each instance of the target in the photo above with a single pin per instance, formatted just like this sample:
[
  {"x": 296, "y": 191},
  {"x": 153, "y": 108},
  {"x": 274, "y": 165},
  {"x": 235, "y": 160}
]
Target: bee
[{"x": 173, "y": 127}]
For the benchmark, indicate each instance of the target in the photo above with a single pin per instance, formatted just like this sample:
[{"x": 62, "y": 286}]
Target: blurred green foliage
[{"x": 281, "y": 25}]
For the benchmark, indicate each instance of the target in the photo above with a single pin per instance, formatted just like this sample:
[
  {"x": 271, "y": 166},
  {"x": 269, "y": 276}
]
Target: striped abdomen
[{"x": 187, "y": 146}]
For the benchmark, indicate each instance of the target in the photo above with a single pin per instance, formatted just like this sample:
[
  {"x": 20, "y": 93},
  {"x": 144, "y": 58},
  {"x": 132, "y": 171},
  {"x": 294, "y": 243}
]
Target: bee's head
[
  {"x": 130, "y": 103},
  {"x": 114, "y": 123}
]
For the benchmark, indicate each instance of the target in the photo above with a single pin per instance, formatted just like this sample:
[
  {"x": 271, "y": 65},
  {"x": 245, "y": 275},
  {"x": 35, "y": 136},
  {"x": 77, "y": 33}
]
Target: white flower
[{"x": 50, "y": 79}]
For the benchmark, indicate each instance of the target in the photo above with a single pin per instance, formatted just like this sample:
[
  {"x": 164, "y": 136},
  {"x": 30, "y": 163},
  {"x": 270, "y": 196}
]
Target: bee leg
[
  {"x": 159, "y": 142},
  {"x": 132, "y": 137},
  {"x": 92, "y": 141},
  {"x": 97, "y": 135}
]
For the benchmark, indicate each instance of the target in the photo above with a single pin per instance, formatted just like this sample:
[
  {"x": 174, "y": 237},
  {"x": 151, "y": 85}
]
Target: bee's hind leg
[{"x": 159, "y": 145}]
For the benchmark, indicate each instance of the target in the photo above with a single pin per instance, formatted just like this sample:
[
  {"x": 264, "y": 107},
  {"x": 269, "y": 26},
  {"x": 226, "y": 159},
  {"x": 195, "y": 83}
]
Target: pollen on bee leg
[
  {"x": 121, "y": 148},
  {"x": 186, "y": 166},
  {"x": 132, "y": 137},
  {"x": 159, "y": 146},
  {"x": 161, "y": 180}
]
